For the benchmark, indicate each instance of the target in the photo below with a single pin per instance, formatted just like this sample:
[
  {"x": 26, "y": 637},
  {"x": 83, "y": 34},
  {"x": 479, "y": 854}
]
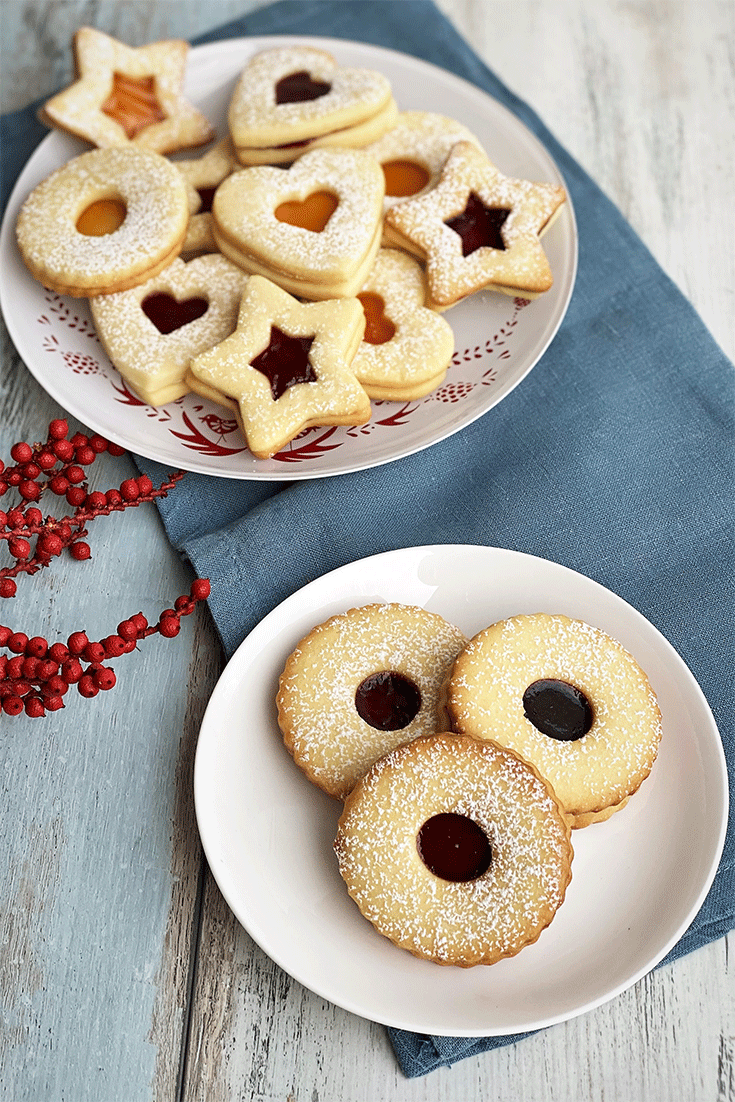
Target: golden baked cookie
[
  {"x": 569, "y": 699},
  {"x": 455, "y": 849},
  {"x": 360, "y": 684},
  {"x": 202, "y": 176},
  {"x": 286, "y": 366},
  {"x": 105, "y": 221},
  {"x": 126, "y": 94},
  {"x": 477, "y": 228},
  {"x": 152, "y": 332},
  {"x": 291, "y": 99}
]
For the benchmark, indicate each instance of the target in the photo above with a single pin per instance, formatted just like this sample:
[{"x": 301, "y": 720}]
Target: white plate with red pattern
[
  {"x": 638, "y": 879},
  {"x": 498, "y": 339}
]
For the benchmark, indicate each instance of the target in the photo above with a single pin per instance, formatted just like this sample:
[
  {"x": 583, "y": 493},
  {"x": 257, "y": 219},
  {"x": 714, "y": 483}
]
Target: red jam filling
[
  {"x": 387, "y": 700},
  {"x": 285, "y": 362},
  {"x": 558, "y": 709},
  {"x": 454, "y": 847},
  {"x": 167, "y": 313},
  {"x": 300, "y": 87},
  {"x": 479, "y": 226}
]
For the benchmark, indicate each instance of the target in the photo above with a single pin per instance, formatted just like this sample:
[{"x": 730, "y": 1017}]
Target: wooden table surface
[{"x": 123, "y": 975}]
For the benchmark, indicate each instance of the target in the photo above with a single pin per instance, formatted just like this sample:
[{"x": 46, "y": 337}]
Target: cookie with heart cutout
[
  {"x": 202, "y": 176},
  {"x": 291, "y": 99},
  {"x": 313, "y": 229},
  {"x": 126, "y": 94},
  {"x": 414, "y": 151},
  {"x": 407, "y": 348},
  {"x": 477, "y": 229},
  {"x": 287, "y": 366},
  {"x": 152, "y": 332}
]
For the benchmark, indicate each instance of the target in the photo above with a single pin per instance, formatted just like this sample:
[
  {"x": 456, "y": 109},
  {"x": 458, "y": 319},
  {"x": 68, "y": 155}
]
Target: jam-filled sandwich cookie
[
  {"x": 477, "y": 228},
  {"x": 105, "y": 221},
  {"x": 314, "y": 229},
  {"x": 152, "y": 332},
  {"x": 126, "y": 94},
  {"x": 286, "y": 367},
  {"x": 569, "y": 699},
  {"x": 360, "y": 684},
  {"x": 406, "y": 348},
  {"x": 291, "y": 99},
  {"x": 414, "y": 151},
  {"x": 455, "y": 850},
  {"x": 202, "y": 177}
]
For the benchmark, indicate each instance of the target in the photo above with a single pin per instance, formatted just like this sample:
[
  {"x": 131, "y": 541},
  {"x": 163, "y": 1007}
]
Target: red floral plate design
[{"x": 498, "y": 339}]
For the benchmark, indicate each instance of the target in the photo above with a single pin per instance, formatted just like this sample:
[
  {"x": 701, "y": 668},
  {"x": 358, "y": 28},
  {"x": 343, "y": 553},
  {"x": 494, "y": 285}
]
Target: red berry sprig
[
  {"x": 57, "y": 465},
  {"x": 38, "y": 675}
]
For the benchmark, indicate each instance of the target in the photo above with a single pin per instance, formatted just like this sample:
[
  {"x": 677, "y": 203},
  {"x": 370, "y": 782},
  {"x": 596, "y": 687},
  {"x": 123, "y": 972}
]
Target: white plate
[
  {"x": 497, "y": 339},
  {"x": 638, "y": 880}
]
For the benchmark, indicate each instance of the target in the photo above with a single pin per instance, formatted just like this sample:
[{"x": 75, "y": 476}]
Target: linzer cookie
[
  {"x": 286, "y": 366},
  {"x": 105, "y": 221},
  {"x": 477, "y": 228},
  {"x": 360, "y": 684},
  {"x": 202, "y": 177},
  {"x": 414, "y": 151},
  {"x": 406, "y": 348},
  {"x": 152, "y": 332},
  {"x": 455, "y": 849},
  {"x": 313, "y": 229},
  {"x": 566, "y": 697},
  {"x": 126, "y": 94},
  {"x": 291, "y": 99}
]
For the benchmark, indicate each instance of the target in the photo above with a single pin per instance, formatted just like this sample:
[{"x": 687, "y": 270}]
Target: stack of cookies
[{"x": 321, "y": 188}]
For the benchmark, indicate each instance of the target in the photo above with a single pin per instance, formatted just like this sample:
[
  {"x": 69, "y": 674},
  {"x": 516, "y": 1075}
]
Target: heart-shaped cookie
[
  {"x": 294, "y": 94},
  {"x": 406, "y": 348},
  {"x": 153, "y": 331},
  {"x": 250, "y": 226}
]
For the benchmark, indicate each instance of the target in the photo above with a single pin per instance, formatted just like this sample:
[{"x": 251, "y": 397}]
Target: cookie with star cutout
[
  {"x": 477, "y": 229},
  {"x": 286, "y": 367},
  {"x": 125, "y": 94},
  {"x": 202, "y": 176}
]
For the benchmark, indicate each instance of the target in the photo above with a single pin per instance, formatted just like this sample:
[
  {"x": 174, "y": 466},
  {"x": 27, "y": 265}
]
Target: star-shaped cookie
[
  {"x": 128, "y": 94},
  {"x": 477, "y": 228},
  {"x": 287, "y": 366}
]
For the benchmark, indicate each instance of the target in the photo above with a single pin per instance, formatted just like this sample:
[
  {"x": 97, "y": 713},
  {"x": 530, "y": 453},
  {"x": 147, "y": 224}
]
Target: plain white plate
[
  {"x": 638, "y": 880},
  {"x": 497, "y": 339}
]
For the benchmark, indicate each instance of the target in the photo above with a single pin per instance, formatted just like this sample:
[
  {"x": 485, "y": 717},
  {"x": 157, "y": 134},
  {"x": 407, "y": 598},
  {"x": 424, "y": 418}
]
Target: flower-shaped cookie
[
  {"x": 287, "y": 366},
  {"x": 477, "y": 228},
  {"x": 202, "y": 177},
  {"x": 406, "y": 348},
  {"x": 262, "y": 221},
  {"x": 128, "y": 94},
  {"x": 290, "y": 99},
  {"x": 152, "y": 332}
]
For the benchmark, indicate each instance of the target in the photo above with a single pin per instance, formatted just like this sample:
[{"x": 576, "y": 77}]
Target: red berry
[
  {"x": 5, "y": 634},
  {"x": 98, "y": 443},
  {"x": 85, "y": 455},
  {"x": 79, "y": 440},
  {"x": 200, "y": 589},
  {"x": 71, "y": 670},
  {"x": 169, "y": 627},
  {"x": 46, "y": 669},
  {"x": 30, "y": 470},
  {"x": 34, "y": 707},
  {"x": 58, "y": 429},
  {"x": 14, "y": 478},
  {"x": 114, "y": 646},
  {"x": 76, "y": 496},
  {"x": 14, "y": 667},
  {"x": 33, "y": 516},
  {"x": 115, "y": 449},
  {"x": 93, "y": 652},
  {"x": 77, "y": 641},
  {"x": 184, "y": 605},
  {"x": 18, "y": 642},
  {"x": 19, "y": 548},
  {"x": 80, "y": 550},
  {"x": 8, "y": 587},
  {"x": 49, "y": 544},
  {"x": 129, "y": 490},
  {"x": 58, "y": 652},
  {"x": 37, "y": 646},
  {"x": 46, "y": 460},
  {"x": 129, "y": 646},
  {"x": 30, "y": 667},
  {"x": 21, "y": 452},
  {"x": 58, "y": 485},
  {"x": 140, "y": 622},
  {"x": 13, "y": 705},
  {"x": 22, "y": 688},
  {"x": 3, "y": 519},
  {"x": 53, "y": 703},
  {"x": 63, "y": 450},
  {"x": 16, "y": 518},
  {"x": 96, "y": 500},
  {"x": 127, "y": 630},
  {"x": 29, "y": 490},
  {"x": 55, "y": 686},
  {"x": 75, "y": 473},
  {"x": 3, "y": 490},
  {"x": 144, "y": 484},
  {"x": 113, "y": 497},
  {"x": 86, "y": 685},
  {"x": 104, "y": 677}
]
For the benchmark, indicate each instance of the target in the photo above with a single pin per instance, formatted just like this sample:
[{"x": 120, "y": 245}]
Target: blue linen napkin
[{"x": 613, "y": 457}]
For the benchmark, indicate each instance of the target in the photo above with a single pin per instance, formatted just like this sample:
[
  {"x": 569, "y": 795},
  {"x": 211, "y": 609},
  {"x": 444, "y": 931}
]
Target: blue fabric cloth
[{"x": 613, "y": 457}]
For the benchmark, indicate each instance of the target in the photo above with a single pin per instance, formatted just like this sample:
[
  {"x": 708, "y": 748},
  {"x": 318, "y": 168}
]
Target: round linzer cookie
[
  {"x": 291, "y": 99},
  {"x": 360, "y": 684},
  {"x": 105, "y": 221},
  {"x": 455, "y": 849},
  {"x": 569, "y": 699}
]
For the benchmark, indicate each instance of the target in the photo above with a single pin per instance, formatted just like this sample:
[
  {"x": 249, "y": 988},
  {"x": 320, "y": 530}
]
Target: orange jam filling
[
  {"x": 101, "y": 217},
  {"x": 133, "y": 103},
  {"x": 404, "y": 178},
  {"x": 313, "y": 214},
  {"x": 379, "y": 329}
]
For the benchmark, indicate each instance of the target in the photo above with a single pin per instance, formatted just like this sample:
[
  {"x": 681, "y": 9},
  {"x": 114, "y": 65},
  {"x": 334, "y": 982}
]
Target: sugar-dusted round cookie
[
  {"x": 455, "y": 849},
  {"x": 64, "y": 240},
  {"x": 361, "y": 683},
  {"x": 569, "y": 699}
]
